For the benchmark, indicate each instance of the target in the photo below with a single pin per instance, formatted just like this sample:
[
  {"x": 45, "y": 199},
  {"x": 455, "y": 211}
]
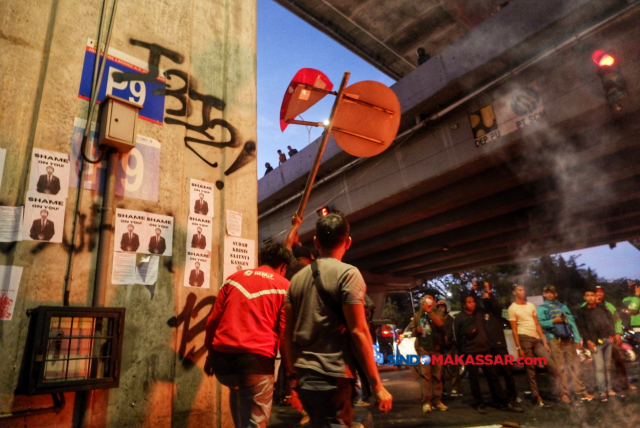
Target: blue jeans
[
  {"x": 250, "y": 398},
  {"x": 602, "y": 360},
  {"x": 327, "y": 399}
]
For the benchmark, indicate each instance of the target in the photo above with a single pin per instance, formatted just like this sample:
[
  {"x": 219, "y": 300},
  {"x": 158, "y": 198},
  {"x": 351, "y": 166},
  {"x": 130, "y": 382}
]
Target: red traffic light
[
  {"x": 324, "y": 211},
  {"x": 603, "y": 59}
]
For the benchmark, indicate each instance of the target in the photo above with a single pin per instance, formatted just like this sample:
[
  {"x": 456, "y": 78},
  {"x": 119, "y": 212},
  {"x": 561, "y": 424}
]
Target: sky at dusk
[{"x": 286, "y": 44}]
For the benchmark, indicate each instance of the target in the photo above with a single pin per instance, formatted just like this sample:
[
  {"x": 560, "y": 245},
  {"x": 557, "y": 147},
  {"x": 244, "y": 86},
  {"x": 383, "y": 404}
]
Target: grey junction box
[{"x": 118, "y": 123}]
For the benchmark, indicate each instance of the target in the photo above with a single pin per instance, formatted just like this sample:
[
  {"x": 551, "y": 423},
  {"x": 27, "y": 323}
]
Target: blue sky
[{"x": 287, "y": 44}]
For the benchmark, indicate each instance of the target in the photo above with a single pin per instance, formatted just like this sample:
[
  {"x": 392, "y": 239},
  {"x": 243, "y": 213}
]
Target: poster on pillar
[
  {"x": 130, "y": 230},
  {"x": 9, "y": 284},
  {"x": 197, "y": 272},
  {"x": 239, "y": 254},
  {"x": 43, "y": 218},
  {"x": 138, "y": 170},
  {"x": 199, "y": 233},
  {"x": 201, "y": 197},
  {"x": 160, "y": 234},
  {"x": 49, "y": 173}
]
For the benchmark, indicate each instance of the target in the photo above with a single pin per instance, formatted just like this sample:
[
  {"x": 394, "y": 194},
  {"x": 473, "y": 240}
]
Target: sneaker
[
  {"x": 541, "y": 404},
  {"x": 482, "y": 409},
  {"x": 455, "y": 393},
  {"x": 586, "y": 397},
  {"x": 305, "y": 419},
  {"x": 361, "y": 403},
  {"x": 604, "y": 398},
  {"x": 512, "y": 407},
  {"x": 441, "y": 407},
  {"x": 426, "y": 408},
  {"x": 565, "y": 399}
]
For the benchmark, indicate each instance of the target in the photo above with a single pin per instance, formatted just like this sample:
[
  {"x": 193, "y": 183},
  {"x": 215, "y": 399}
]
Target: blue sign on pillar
[{"x": 135, "y": 91}]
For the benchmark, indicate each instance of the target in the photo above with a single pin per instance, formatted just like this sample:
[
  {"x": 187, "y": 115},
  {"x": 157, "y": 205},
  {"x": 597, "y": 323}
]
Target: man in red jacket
[{"x": 245, "y": 331}]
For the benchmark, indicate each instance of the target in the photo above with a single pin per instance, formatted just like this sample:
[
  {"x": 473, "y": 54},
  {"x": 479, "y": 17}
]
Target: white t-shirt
[{"x": 524, "y": 315}]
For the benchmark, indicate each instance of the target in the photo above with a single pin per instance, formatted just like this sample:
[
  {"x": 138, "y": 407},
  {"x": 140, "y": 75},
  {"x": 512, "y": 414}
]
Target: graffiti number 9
[{"x": 137, "y": 172}]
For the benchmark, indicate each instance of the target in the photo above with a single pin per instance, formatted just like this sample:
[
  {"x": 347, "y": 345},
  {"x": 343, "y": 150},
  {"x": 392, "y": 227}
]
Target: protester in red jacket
[{"x": 244, "y": 332}]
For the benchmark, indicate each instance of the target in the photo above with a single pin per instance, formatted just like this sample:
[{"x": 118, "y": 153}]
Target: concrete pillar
[{"x": 42, "y": 48}]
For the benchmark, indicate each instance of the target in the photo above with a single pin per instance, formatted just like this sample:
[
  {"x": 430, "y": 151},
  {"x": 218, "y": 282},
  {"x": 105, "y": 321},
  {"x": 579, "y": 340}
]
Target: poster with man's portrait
[
  {"x": 49, "y": 173},
  {"x": 201, "y": 198},
  {"x": 199, "y": 233},
  {"x": 197, "y": 269},
  {"x": 43, "y": 218},
  {"x": 159, "y": 232},
  {"x": 130, "y": 231}
]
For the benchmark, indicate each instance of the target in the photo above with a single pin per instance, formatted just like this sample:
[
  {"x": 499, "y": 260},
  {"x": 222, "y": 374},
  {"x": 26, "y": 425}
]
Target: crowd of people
[
  {"x": 549, "y": 333},
  {"x": 312, "y": 313}
]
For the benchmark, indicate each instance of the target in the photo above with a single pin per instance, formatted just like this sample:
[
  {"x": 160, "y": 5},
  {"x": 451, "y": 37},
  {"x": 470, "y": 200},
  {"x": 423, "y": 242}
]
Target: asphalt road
[{"x": 407, "y": 409}]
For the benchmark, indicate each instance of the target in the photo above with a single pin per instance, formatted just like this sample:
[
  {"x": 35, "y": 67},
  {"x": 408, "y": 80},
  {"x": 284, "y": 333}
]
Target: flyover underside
[{"x": 580, "y": 193}]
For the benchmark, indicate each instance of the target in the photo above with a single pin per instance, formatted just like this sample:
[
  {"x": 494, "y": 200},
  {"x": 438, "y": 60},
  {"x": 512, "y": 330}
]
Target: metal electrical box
[{"x": 118, "y": 123}]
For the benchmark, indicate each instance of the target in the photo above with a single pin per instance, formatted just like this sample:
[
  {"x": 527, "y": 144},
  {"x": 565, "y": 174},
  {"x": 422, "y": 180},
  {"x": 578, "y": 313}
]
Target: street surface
[{"x": 407, "y": 409}]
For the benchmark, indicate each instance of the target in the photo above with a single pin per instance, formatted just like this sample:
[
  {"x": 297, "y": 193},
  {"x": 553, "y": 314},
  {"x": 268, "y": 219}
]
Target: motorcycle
[{"x": 630, "y": 345}]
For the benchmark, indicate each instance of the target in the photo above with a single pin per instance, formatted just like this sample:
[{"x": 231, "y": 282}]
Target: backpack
[{"x": 563, "y": 329}]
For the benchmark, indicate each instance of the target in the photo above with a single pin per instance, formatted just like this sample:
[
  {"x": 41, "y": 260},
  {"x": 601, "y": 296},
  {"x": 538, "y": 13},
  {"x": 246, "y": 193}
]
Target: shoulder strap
[{"x": 323, "y": 293}]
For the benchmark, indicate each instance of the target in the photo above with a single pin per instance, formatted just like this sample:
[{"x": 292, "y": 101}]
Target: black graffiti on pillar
[
  {"x": 185, "y": 94},
  {"x": 191, "y": 311},
  {"x": 156, "y": 52},
  {"x": 247, "y": 154}
]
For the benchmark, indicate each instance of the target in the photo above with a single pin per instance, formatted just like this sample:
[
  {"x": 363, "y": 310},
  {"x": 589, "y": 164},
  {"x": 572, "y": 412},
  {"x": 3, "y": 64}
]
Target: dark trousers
[
  {"x": 621, "y": 366},
  {"x": 326, "y": 399},
  {"x": 492, "y": 379},
  {"x": 506, "y": 371}
]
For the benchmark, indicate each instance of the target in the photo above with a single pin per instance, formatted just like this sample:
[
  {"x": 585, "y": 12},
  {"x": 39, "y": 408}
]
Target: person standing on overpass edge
[
  {"x": 530, "y": 339},
  {"x": 244, "y": 332},
  {"x": 326, "y": 329},
  {"x": 561, "y": 331}
]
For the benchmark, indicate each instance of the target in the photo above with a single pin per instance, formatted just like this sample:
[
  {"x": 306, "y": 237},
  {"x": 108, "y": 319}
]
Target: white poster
[
  {"x": 199, "y": 233},
  {"x": 201, "y": 197},
  {"x": 239, "y": 254},
  {"x": 130, "y": 230},
  {"x": 9, "y": 284},
  {"x": 3, "y": 155},
  {"x": 49, "y": 173},
  {"x": 197, "y": 269},
  {"x": 159, "y": 230},
  {"x": 43, "y": 218},
  {"x": 234, "y": 223},
  {"x": 147, "y": 270},
  {"x": 123, "y": 271},
  {"x": 10, "y": 222}
]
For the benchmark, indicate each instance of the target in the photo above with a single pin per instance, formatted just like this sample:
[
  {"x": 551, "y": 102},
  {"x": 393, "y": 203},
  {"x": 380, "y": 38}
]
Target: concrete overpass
[{"x": 556, "y": 170}]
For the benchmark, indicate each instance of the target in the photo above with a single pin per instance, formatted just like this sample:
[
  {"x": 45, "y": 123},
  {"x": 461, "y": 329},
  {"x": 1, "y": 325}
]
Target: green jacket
[
  {"x": 633, "y": 304},
  {"x": 547, "y": 324},
  {"x": 617, "y": 321}
]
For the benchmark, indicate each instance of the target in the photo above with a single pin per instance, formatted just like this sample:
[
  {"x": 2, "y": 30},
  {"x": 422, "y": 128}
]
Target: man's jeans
[
  {"x": 250, "y": 398},
  {"x": 327, "y": 399},
  {"x": 533, "y": 347},
  {"x": 430, "y": 379},
  {"x": 565, "y": 356},
  {"x": 602, "y": 360}
]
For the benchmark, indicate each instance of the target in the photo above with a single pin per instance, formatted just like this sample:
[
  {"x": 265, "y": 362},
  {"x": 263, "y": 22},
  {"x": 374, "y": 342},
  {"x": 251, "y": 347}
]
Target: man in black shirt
[
  {"x": 269, "y": 168},
  {"x": 449, "y": 348},
  {"x": 291, "y": 151},
  {"x": 595, "y": 324},
  {"x": 471, "y": 337},
  {"x": 494, "y": 328}
]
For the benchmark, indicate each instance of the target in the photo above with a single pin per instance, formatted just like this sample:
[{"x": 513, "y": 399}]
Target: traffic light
[
  {"x": 611, "y": 77},
  {"x": 323, "y": 211}
]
